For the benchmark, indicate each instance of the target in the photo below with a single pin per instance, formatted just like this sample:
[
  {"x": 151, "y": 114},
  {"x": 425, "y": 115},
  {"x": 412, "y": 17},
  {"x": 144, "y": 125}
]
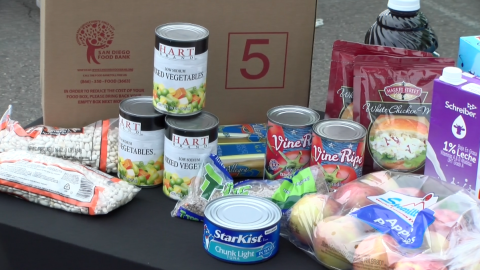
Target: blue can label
[{"x": 240, "y": 247}]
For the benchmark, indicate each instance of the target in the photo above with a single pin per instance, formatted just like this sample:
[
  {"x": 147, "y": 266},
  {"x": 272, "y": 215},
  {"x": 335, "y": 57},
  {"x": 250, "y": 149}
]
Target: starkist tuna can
[
  {"x": 242, "y": 229},
  {"x": 140, "y": 142},
  {"x": 338, "y": 147},
  {"x": 289, "y": 139},
  {"x": 180, "y": 68},
  {"x": 188, "y": 141}
]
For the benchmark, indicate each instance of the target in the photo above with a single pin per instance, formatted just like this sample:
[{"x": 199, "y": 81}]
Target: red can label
[
  {"x": 288, "y": 151},
  {"x": 341, "y": 162}
]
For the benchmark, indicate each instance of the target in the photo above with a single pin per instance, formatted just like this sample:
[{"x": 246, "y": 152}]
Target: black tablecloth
[{"x": 138, "y": 236}]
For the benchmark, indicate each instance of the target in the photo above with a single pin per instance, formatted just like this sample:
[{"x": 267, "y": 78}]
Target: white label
[
  {"x": 51, "y": 179},
  {"x": 179, "y": 79},
  {"x": 472, "y": 88},
  {"x": 183, "y": 164},
  {"x": 406, "y": 207},
  {"x": 140, "y": 153}
]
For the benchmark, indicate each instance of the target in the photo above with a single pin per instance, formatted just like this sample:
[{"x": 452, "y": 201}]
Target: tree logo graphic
[{"x": 95, "y": 35}]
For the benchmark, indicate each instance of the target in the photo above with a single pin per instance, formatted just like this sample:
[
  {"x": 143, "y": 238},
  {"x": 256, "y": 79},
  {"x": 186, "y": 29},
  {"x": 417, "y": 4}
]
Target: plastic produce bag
[
  {"x": 94, "y": 145},
  {"x": 62, "y": 184},
  {"x": 384, "y": 220},
  {"x": 213, "y": 181}
]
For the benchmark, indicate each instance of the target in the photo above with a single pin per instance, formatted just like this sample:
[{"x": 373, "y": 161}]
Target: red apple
[
  {"x": 435, "y": 242},
  {"x": 336, "y": 239},
  {"x": 381, "y": 179},
  {"x": 376, "y": 252},
  {"x": 307, "y": 212},
  {"x": 444, "y": 222},
  {"x": 354, "y": 195}
]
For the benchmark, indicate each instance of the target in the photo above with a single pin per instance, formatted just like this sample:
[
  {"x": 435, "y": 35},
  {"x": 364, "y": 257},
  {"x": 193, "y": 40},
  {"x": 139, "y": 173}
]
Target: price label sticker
[{"x": 256, "y": 60}]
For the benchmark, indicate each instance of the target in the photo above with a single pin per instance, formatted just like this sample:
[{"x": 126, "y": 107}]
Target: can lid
[
  {"x": 293, "y": 116},
  {"x": 182, "y": 31},
  {"x": 243, "y": 212},
  {"x": 340, "y": 130},
  {"x": 140, "y": 109},
  {"x": 199, "y": 122}
]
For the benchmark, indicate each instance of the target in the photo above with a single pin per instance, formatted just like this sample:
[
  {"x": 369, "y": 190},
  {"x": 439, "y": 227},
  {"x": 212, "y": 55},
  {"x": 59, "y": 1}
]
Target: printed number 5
[{"x": 247, "y": 56}]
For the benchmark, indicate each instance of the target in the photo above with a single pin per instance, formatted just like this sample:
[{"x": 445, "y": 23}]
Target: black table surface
[{"x": 140, "y": 235}]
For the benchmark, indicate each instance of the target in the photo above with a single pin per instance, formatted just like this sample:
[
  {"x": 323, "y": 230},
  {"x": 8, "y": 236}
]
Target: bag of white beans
[
  {"x": 62, "y": 184},
  {"x": 94, "y": 145}
]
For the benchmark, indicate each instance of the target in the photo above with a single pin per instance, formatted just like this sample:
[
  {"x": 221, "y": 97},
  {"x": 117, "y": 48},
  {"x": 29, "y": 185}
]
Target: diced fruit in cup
[
  {"x": 181, "y": 100},
  {"x": 187, "y": 180},
  {"x": 177, "y": 189},
  {"x": 140, "y": 173}
]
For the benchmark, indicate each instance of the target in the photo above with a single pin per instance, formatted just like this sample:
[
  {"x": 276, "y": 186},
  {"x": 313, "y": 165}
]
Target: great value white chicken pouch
[{"x": 393, "y": 101}]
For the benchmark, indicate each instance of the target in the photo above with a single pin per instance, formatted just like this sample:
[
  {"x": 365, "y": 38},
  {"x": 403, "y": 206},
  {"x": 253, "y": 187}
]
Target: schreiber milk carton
[
  {"x": 454, "y": 136},
  {"x": 469, "y": 55}
]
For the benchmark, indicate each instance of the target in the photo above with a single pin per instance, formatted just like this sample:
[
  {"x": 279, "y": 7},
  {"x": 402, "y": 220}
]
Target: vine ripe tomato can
[
  {"x": 338, "y": 147},
  {"x": 289, "y": 140}
]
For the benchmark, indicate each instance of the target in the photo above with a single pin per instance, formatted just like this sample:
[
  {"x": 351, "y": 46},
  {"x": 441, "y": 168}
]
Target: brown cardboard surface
[{"x": 280, "y": 34}]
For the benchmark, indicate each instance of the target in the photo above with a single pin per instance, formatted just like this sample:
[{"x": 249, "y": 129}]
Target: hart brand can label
[
  {"x": 338, "y": 147},
  {"x": 188, "y": 141},
  {"x": 180, "y": 68},
  {"x": 289, "y": 139},
  {"x": 140, "y": 142},
  {"x": 242, "y": 229}
]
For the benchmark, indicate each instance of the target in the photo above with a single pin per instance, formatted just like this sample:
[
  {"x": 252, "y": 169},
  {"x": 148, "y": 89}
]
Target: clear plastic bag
[
  {"x": 385, "y": 220},
  {"x": 94, "y": 145},
  {"x": 62, "y": 184},
  {"x": 213, "y": 181}
]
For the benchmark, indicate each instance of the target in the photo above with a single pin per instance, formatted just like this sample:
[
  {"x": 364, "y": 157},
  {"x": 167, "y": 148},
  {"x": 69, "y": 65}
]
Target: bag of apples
[{"x": 385, "y": 220}]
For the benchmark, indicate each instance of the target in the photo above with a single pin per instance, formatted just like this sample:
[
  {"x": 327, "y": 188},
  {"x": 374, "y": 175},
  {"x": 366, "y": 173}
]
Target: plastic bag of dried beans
[
  {"x": 62, "y": 184},
  {"x": 213, "y": 181},
  {"x": 94, "y": 145}
]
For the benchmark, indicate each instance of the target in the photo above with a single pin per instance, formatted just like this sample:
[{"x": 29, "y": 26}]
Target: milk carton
[
  {"x": 469, "y": 55},
  {"x": 454, "y": 137}
]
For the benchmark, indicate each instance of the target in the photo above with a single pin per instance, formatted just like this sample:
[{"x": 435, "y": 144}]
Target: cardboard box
[
  {"x": 454, "y": 140},
  {"x": 469, "y": 55},
  {"x": 83, "y": 83}
]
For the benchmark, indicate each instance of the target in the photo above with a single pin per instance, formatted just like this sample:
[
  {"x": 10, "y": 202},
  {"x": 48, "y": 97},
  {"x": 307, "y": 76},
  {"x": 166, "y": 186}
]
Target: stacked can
[
  {"x": 180, "y": 68},
  {"x": 140, "y": 142},
  {"x": 289, "y": 140},
  {"x": 179, "y": 85},
  {"x": 188, "y": 141}
]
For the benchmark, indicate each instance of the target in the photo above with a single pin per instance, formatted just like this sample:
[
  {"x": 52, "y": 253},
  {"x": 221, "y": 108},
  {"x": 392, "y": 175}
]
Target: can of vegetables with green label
[
  {"x": 188, "y": 141},
  {"x": 180, "y": 68},
  {"x": 140, "y": 142}
]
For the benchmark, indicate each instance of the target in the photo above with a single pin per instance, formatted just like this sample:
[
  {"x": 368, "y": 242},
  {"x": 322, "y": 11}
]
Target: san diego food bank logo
[
  {"x": 403, "y": 91},
  {"x": 97, "y": 36}
]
